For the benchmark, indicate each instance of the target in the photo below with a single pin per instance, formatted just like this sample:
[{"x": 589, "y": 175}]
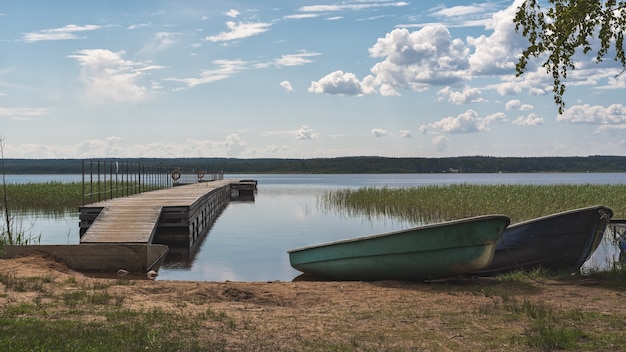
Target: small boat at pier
[
  {"x": 557, "y": 242},
  {"x": 422, "y": 253}
]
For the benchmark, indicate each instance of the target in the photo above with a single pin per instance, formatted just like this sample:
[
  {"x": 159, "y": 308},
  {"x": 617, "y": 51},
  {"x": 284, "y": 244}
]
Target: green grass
[
  {"x": 11, "y": 282},
  {"x": 58, "y": 197},
  {"x": 89, "y": 318},
  {"x": 47, "y": 196},
  {"x": 84, "y": 317},
  {"x": 433, "y": 203},
  {"x": 73, "y": 335}
]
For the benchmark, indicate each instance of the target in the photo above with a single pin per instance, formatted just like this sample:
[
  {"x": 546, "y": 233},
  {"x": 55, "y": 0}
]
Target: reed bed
[
  {"x": 434, "y": 203},
  {"x": 47, "y": 196},
  {"x": 56, "y": 197}
]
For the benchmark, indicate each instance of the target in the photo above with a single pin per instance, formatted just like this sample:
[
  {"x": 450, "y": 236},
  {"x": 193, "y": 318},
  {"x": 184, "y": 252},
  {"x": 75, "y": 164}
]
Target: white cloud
[
  {"x": 508, "y": 88},
  {"x": 456, "y": 11},
  {"x": 531, "y": 120},
  {"x": 225, "y": 68},
  {"x": 240, "y": 30},
  {"x": 415, "y": 60},
  {"x": 440, "y": 142},
  {"x": 498, "y": 52},
  {"x": 287, "y": 86},
  {"x": 612, "y": 129},
  {"x": 232, "y": 13},
  {"x": 139, "y": 25},
  {"x": 233, "y": 145},
  {"x": 344, "y": 7},
  {"x": 387, "y": 90},
  {"x": 411, "y": 60},
  {"x": 497, "y": 117},
  {"x": 341, "y": 83},
  {"x": 63, "y": 33},
  {"x": 467, "y": 122},
  {"x": 109, "y": 77},
  {"x": 304, "y": 133},
  {"x": 617, "y": 81},
  {"x": 430, "y": 57},
  {"x": 379, "y": 132},
  {"x": 475, "y": 15},
  {"x": 406, "y": 134},
  {"x": 517, "y": 105},
  {"x": 595, "y": 115},
  {"x": 160, "y": 41},
  {"x": 301, "y": 16},
  {"x": 22, "y": 113},
  {"x": 295, "y": 59},
  {"x": 466, "y": 96}
]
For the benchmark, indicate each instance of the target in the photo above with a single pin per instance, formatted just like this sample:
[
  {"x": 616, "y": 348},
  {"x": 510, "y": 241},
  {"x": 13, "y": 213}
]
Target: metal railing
[{"x": 108, "y": 179}]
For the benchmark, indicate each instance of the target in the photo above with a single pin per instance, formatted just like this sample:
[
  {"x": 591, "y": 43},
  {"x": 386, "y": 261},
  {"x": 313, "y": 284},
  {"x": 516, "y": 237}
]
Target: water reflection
[
  {"x": 249, "y": 241},
  {"x": 48, "y": 228},
  {"x": 608, "y": 252}
]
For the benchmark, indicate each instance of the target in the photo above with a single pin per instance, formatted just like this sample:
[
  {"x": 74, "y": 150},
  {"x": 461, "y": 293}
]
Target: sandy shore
[{"x": 454, "y": 315}]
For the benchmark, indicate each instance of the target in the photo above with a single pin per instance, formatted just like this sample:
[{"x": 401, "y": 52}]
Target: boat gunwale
[
  {"x": 571, "y": 211},
  {"x": 417, "y": 228}
]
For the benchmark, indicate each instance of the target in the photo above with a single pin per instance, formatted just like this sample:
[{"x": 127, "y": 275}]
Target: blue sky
[{"x": 289, "y": 79}]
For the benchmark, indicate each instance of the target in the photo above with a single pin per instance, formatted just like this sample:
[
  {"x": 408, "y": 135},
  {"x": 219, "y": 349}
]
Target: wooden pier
[{"x": 179, "y": 214}]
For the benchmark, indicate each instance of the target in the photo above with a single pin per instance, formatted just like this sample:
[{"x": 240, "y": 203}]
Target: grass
[
  {"x": 72, "y": 335},
  {"x": 86, "y": 317},
  {"x": 433, "y": 203},
  {"x": 59, "y": 197},
  {"x": 73, "y": 315}
]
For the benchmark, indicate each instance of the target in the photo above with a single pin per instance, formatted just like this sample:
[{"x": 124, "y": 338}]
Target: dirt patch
[{"x": 452, "y": 315}]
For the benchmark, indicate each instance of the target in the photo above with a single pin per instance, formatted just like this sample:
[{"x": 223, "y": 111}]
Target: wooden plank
[
  {"x": 124, "y": 224},
  {"x": 134, "y": 219},
  {"x": 175, "y": 196}
]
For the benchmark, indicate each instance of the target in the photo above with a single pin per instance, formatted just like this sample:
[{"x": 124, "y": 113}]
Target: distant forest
[{"x": 468, "y": 164}]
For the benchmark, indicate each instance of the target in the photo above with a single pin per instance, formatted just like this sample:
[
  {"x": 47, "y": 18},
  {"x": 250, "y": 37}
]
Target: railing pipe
[{"x": 131, "y": 178}]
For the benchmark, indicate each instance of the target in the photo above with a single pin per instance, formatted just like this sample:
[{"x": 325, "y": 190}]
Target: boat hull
[
  {"x": 558, "y": 242},
  {"x": 134, "y": 258},
  {"x": 422, "y": 253}
]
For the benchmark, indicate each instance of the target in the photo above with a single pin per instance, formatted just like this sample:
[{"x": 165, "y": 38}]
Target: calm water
[{"x": 250, "y": 240}]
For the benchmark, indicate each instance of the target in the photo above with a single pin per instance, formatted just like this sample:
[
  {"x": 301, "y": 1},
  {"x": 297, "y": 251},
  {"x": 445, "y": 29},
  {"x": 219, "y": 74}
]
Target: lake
[{"x": 249, "y": 241}]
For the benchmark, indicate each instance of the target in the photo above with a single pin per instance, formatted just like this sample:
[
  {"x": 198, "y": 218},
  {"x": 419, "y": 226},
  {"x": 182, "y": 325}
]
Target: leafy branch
[{"x": 565, "y": 26}]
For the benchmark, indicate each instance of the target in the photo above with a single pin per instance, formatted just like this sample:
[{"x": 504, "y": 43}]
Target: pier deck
[{"x": 136, "y": 219}]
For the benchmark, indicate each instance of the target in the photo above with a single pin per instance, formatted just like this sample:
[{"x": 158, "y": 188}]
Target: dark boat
[{"x": 557, "y": 242}]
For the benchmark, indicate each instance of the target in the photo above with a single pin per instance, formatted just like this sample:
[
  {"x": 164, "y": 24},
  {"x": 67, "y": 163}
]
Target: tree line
[{"x": 364, "y": 164}]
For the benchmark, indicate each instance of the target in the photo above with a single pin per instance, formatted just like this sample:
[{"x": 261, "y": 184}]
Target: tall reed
[
  {"x": 53, "y": 196},
  {"x": 432, "y": 203}
]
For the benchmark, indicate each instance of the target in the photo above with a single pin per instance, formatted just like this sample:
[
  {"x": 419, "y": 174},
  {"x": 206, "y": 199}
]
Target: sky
[{"x": 290, "y": 79}]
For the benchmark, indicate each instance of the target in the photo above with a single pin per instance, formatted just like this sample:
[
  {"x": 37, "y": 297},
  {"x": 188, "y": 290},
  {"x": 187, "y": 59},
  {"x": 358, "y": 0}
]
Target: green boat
[{"x": 422, "y": 253}]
